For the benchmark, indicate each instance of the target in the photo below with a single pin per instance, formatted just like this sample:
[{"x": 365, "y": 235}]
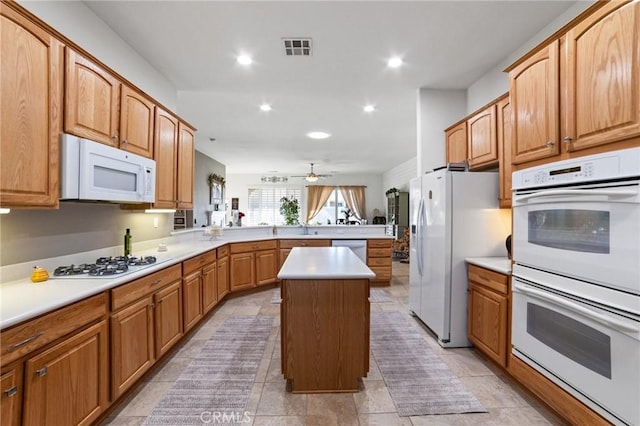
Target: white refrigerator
[{"x": 454, "y": 215}]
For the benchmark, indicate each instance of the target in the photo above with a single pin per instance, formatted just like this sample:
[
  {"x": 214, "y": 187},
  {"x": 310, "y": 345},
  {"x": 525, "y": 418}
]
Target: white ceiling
[{"x": 444, "y": 44}]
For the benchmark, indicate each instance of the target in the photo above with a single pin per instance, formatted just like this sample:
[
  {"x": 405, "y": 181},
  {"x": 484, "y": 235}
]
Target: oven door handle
[
  {"x": 602, "y": 319},
  {"x": 563, "y": 192}
]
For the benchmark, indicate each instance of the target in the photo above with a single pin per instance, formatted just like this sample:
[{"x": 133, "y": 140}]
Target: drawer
[
  {"x": 379, "y": 252},
  {"x": 380, "y": 243},
  {"x": 379, "y": 261},
  {"x": 383, "y": 273},
  {"x": 198, "y": 262},
  {"x": 490, "y": 279},
  {"x": 253, "y": 246},
  {"x": 223, "y": 251},
  {"x": 36, "y": 333},
  {"x": 127, "y": 293},
  {"x": 284, "y": 244}
]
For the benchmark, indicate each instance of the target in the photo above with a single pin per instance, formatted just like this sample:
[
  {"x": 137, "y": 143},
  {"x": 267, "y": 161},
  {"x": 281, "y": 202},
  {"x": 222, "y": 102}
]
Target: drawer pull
[
  {"x": 24, "y": 342},
  {"x": 156, "y": 282},
  {"x": 201, "y": 260},
  {"x": 303, "y": 244},
  {"x": 41, "y": 372},
  {"x": 11, "y": 391}
]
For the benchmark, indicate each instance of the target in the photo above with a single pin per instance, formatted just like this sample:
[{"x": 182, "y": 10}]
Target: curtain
[
  {"x": 317, "y": 196},
  {"x": 354, "y": 197}
]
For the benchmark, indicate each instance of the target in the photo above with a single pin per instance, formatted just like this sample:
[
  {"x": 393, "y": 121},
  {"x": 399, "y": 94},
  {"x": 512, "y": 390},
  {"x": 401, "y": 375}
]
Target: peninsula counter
[{"x": 324, "y": 318}]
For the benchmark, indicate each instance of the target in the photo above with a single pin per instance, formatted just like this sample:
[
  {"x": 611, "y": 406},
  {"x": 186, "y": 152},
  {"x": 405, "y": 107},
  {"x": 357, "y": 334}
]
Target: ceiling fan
[{"x": 311, "y": 176}]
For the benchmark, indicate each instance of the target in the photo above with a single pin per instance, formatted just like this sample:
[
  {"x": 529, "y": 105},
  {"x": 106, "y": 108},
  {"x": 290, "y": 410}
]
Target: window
[
  {"x": 264, "y": 205},
  {"x": 332, "y": 210}
]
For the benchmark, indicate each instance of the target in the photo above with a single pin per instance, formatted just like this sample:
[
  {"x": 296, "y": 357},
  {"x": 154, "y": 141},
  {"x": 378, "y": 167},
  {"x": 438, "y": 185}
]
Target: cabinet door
[
  {"x": 242, "y": 271},
  {"x": 223, "y": 277},
  {"x": 68, "y": 384},
  {"x": 92, "y": 99},
  {"x": 165, "y": 154},
  {"x": 11, "y": 397},
  {"x": 185, "y": 167},
  {"x": 30, "y": 112},
  {"x": 209, "y": 286},
  {"x": 132, "y": 346},
  {"x": 168, "y": 317},
  {"x": 504, "y": 151},
  {"x": 534, "y": 92},
  {"x": 482, "y": 141},
  {"x": 284, "y": 253},
  {"x": 602, "y": 77},
  {"x": 488, "y": 322},
  {"x": 266, "y": 267},
  {"x": 456, "y": 140},
  {"x": 136, "y": 122},
  {"x": 192, "y": 293}
]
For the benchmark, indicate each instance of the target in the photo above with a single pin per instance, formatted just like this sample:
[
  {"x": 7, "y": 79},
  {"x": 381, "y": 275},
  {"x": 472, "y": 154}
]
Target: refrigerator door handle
[{"x": 419, "y": 242}]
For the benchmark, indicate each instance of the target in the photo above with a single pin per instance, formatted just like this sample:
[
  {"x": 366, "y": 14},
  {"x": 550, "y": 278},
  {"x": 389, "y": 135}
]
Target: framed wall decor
[{"x": 216, "y": 191}]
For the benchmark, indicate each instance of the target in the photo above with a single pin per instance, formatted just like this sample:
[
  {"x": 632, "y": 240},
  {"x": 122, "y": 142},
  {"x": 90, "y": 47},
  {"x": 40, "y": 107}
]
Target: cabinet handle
[
  {"x": 550, "y": 144},
  {"x": 255, "y": 247},
  {"x": 114, "y": 137},
  {"x": 124, "y": 142},
  {"x": 160, "y": 302},
  {"x": 24, "y": 342},
  {"x": 153, "y": 305},
  {"x": 567, "y": 139},
  {"x": 156, "y": 282},
  {"x": 41, "y": 372},
  {"x": 11, "y": 391},
  {"x": 303, "y": 244}
]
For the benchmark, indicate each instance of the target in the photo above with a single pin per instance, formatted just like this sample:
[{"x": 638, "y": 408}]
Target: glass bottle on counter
[{"x": 127, "y": 242}]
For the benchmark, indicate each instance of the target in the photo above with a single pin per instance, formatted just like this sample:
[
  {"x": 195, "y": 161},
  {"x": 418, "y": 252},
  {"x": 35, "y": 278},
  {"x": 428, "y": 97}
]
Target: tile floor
[{"x": 270, "y": 404}]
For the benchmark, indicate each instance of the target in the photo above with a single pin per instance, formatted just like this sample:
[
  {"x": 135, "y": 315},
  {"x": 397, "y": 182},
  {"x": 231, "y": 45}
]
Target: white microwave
[{"x": 91, "y": 171}]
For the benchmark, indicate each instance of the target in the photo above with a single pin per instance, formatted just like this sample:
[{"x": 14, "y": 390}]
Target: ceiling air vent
[{"x": 297, "y": 46}]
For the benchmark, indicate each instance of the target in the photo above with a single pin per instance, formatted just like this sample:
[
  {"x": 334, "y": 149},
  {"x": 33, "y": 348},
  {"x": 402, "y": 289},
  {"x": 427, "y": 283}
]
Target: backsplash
[{"x": 76, "y": 227}]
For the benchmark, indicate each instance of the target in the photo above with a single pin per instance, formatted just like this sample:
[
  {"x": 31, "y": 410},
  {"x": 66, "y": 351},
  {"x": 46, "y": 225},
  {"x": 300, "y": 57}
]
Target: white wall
[
  {"x": 400, "y": 175},
  {"x": 496, "y": 82},
  {"x": 77, "y": 22},
  {"x": 437, "y": 110},
  {"x": 238, "y": 186}
]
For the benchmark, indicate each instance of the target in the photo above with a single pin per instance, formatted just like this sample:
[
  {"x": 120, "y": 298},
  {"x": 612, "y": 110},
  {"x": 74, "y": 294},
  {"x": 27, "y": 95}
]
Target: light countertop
[
  {"x": 323, "y": 263},
  {"x": 21, "y": 300},
  {"x": 497, "y": 264}
]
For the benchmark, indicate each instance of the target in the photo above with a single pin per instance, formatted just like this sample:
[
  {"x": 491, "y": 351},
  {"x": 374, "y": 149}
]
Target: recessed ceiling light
[
  {"x": 394, "y": 62},
  {"x": 318, "y": 135},
  {"x": 244, "y": 60},
  {"x": 369, "y": 108},
  {"x": 265, "y": 107}
]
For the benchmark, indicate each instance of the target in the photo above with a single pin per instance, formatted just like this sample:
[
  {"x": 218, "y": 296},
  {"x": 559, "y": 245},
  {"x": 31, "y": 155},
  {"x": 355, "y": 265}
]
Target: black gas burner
[{"x": 105, "y": 266}]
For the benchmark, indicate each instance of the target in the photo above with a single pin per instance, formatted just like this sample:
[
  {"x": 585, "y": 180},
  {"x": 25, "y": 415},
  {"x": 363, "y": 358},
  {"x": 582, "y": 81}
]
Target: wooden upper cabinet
[
  {"x": 92, "y": 100},
  {"x": 601, "y": 100},
  {"x": 534, "y": 92},
  {"x": 165, "y": 154},
  {"x": 185, "y": 166},
  {"x": 31, "y": 75},
  {"x": 482, "y": 143},
  {"x": 503, "y": 112},
  {"x": 136, "y": 122},
  {"x": 456, "y": 143}
]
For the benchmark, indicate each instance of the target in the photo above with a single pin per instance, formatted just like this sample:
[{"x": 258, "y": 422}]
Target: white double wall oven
[{"x": 576, "y": 278}]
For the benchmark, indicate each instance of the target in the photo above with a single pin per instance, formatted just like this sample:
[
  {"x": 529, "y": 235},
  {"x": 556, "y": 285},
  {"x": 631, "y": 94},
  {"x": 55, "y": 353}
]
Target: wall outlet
[{"x": 155, "y": 221}]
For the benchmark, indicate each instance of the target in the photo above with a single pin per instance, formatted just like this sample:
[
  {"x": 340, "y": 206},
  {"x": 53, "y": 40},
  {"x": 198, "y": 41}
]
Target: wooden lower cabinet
[
  {"x": 68, "y": 383},
  {"x": 222, "y": 273},
  {"x": 488, "y": 309},
  {"x": 192, "y": 293},
  {"x": 209, "y": 287},
  {"x": 144, "y": 330},
  {"x": 252, "y": 264},
  {"x": 11, "y": 394},
  {"x": 379, "y": 252}
]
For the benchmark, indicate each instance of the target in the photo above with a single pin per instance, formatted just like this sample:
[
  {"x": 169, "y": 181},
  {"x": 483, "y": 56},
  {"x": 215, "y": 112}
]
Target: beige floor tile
[
  {"x": 276, "y": 401},
  {"x": 124, "y": 421},
  {"x": 254, "y": 399},
  {"x": 170, "y": 371},
  {"x": 492, "y": 392},
  {"x": 206, "y": 331},
  {"x": 374, "y": 371},
  {"x": 469, "y": 419},
  {"x": 332, "y": 406},
  {"x": 191, "y": 348},
  {"x": 373, "y": 398},
  {"x": 271, "y": 310},
  {"x": 263, "y": 368},
  {"x": 146, "y": 399},
  {"x": 383, "y": 419},
  {"x": 331, "y": 420},
  {"x": 274, "y": 374},
  {"x": 246, "y": 310},
  {"x": 279, "y": 421},
  {"x": 465, "y": 362}
]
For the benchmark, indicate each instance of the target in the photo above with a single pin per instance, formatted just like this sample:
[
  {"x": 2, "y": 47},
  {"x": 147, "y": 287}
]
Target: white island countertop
[{"x": 323, "y": 263}]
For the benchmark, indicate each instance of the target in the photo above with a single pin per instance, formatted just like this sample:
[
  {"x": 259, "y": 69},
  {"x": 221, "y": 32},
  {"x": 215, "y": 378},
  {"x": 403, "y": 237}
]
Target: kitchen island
[{"x": 324, "y": 319}]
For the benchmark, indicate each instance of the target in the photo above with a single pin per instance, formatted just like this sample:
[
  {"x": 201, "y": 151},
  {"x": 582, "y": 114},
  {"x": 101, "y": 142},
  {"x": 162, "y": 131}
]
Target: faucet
[{"x": 305, "y": 229}]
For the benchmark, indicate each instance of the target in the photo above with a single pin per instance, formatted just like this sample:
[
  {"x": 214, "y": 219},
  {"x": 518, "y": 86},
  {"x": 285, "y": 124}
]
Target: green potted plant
[
  {"x": 290, "y": 209},
  {"x": 392, "y": 192}
]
